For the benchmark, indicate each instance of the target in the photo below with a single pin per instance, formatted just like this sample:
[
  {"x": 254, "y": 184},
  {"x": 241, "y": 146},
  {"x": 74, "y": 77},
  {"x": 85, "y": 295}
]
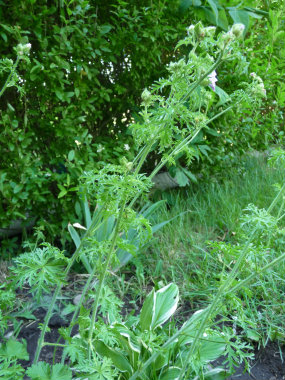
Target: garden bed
[{"x": 268, "y": 363}]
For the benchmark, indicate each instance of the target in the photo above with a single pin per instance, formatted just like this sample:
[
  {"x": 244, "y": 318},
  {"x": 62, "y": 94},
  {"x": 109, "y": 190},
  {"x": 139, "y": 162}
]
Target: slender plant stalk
[
  {"x": 103, "y": 275},
  {"x": 253, "y": 275},
  {"x": 57, "y": 291}
]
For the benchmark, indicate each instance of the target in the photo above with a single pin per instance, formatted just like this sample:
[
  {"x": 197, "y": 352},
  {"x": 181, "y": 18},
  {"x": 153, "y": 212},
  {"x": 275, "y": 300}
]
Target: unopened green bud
[
  {"x": 237, "y": 30},
  {"x": 225, "y": 39},
  {"x": 176, "y": 66},
  {"x": 199, "y": 30},
  {"x": 129, "y": 165},
  {"x": 146, "y": 98},
  {"x": 210, "y": 31}
]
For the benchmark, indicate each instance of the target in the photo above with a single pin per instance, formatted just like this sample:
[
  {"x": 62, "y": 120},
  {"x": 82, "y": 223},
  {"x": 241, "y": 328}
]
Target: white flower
[
  {"x": 190, "y": 29},
  {"x": 77, "y": 142},
  {"x": 23, "y": 49},
  {"x": 213, "y": 80},
  {"x": 127, "y": 147},
  {"x": 100, "y": 148}
]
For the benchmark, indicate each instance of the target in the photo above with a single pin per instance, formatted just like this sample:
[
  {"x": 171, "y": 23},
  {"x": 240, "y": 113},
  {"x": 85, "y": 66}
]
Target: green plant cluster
[{"x": 174, "y": 111}]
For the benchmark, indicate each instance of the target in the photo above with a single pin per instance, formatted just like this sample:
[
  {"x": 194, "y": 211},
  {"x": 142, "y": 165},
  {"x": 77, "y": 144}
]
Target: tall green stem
[
  {"x": 103, "y": 275},
  {"x": 57, "y": 291}
]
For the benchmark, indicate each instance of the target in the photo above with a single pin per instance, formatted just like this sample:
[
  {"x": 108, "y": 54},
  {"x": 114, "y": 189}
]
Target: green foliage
[
  {"x": 10, "y": 352},
  {"x": 128, "y": 345},
  {"x": 237, "y": 132},
  {"x": 216, "y": 13},
  {"x": 7, "y": 302},
  {"x": 184, "y": 253},
  {"x": 44, "y": 371},
  {"x": 41, "y": 269},
  {"x": 84, "y": 78}
]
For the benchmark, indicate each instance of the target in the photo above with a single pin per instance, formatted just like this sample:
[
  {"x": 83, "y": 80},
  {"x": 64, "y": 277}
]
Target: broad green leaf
[
  {"x": 186, "y": 4},
  {"x": 213, "y": 5},
  {"x": 77, "y": 91},
  {"x": 215, "y": 374},
  {"x": 165, "y": 304},
  {"x": 147, "y": 311},
  {"x": 181, "y": 178},
  {"x": 4, "y": 36},
  {"x": 60, "y": 95},
  {"x": 77, "y": 242},
  {"x": 190, "y": 175},
  {"x": 172, "y": 373},
  {"x": 224, "y": 97},
  {"x": 159, "y": 307},
  {"x": 119, "y": 360},
  {"x": 71, "y": 155},
  {"x": 74, "y": 235},
  {"x": 189, "y": 329},
  {"x": 87, "y": 213},
  {"x": 221, "y": 21},
  {"x": 105, "y": 29},
  {"x": 123, "y": 331},
  {"x": 212, "y": 347},
  {"x": 253, "y": 335}
]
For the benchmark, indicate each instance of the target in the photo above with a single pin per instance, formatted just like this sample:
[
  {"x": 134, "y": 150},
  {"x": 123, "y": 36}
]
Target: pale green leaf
[
  {"x": 165, "y": 304},
  {"x": 147, "y": 311},
  {"x": 172, "y": 373},
  {"x": 118, "y": 359}
]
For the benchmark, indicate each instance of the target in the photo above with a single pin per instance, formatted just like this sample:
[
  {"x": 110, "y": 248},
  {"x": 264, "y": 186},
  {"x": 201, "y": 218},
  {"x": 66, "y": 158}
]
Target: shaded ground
[{"x": 267, "y": 365}]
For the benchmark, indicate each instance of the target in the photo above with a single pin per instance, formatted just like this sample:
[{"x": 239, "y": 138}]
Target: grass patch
[{"x": 181, "y": 252}]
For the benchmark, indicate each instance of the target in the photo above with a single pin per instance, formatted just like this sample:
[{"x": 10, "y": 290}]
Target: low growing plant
[{"x": 174, "y": 111}]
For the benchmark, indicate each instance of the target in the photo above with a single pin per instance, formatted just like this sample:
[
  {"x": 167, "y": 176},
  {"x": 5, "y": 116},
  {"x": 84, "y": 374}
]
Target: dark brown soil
[{"x": 267, "y": 365}]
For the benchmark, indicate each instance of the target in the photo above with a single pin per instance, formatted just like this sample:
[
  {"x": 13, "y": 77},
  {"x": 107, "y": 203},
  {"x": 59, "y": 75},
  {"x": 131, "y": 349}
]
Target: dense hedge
[{"x": 88, "y": 65}]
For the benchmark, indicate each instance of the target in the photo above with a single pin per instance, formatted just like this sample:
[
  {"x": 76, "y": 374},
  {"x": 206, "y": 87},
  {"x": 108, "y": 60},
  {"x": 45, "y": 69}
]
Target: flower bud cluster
[
  {"x": 199, "y": 32},
  {"x": 175, "y": 67},
  {"x": 23, "y": 49},
  {"x": 259, "y": 89},
  {"x": 235, "y": 33}
]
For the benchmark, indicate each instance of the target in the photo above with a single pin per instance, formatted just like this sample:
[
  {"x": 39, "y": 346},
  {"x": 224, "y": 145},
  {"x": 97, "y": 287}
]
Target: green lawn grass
[{"x": 181, "y": 251}]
